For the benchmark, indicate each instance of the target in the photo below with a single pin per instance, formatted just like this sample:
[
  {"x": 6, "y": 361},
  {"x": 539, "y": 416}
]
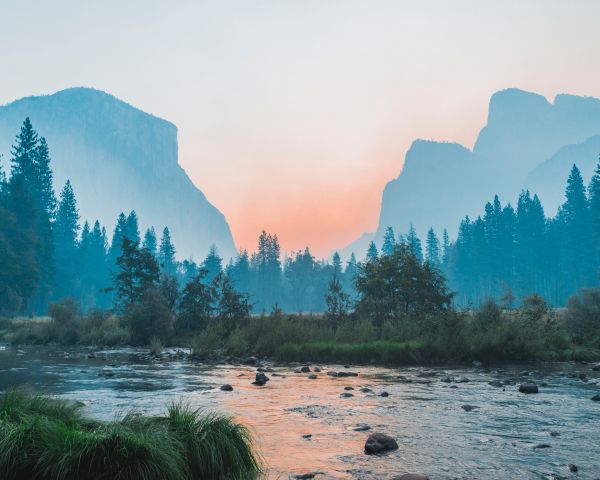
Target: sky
[{"x": 293, "y": 115}]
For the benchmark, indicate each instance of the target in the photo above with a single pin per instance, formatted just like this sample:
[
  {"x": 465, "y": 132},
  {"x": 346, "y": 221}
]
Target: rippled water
[{"x": 436, "y": 435}]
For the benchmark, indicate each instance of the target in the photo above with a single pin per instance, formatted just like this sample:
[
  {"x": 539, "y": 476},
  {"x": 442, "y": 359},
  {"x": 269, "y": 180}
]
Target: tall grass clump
[{"x": 44, "y": 438}]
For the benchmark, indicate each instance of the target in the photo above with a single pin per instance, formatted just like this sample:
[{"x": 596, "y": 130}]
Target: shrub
[{"x": 151, "y": 317}]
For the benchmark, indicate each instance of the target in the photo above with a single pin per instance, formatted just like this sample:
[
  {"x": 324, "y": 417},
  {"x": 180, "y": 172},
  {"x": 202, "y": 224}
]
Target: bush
[
  {"x": 149, "y": 318},
  {"x": 583, "y": 317},
  {"x": 47, "y": 439}
]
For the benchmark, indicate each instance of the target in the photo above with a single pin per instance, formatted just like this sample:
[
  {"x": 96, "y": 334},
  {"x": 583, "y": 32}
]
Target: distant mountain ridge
[
  {"x": 120, "y": 158},
  {"x": 527, "y": 143}
]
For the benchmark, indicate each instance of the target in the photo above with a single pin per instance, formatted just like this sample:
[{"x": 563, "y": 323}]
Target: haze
[{"x": 292, "y": 116}]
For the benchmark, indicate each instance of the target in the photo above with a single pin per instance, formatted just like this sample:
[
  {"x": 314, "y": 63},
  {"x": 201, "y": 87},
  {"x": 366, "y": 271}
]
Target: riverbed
[{"x": 450, "y": 423}]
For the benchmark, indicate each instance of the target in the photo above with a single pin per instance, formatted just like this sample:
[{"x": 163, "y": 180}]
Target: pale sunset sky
[{"x": 293, "y": 115}]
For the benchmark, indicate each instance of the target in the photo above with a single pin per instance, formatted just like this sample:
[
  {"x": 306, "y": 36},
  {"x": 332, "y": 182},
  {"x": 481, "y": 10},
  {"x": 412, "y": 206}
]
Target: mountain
[
  {"x": 548, "y": 177},
  {"x": 120, "y": 158},
  {"x": 527, "y": 142}
]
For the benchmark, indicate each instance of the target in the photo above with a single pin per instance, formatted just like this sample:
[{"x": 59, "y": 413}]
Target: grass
[
  {"x": 380, "y": 352},
  {"x": 44, "y": 438}
]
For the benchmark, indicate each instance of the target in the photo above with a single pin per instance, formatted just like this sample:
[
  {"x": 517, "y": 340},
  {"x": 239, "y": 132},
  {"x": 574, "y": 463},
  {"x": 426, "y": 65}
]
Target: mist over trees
[{"x": 46, "y": 254}]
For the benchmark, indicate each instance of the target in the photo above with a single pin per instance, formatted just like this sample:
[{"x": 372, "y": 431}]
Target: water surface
[{"x": 303, "y": 425}]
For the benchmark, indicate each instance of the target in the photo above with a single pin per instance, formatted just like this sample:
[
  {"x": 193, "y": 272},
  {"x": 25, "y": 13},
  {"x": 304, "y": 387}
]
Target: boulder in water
[
  {"x": 528, "y": 387},
  {"x": 226, "y": 388},
  {"x": 411, "y": 476},
  {"x": 260, "y": 379},
  {"x": 380, "y": 443}
]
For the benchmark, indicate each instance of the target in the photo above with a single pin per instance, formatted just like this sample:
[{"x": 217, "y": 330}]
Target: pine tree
[
  {"x": 166, "y": 254},
  {"x": 337, "y": 301},
  {"x": 432, "y": 249},
  {"x": 389, "y": 242},
  {"x": 197, "y": 304},
  {"x": 594, "y": 215},
  {"x": 138, "y": 272},
  {"x": 150, "y": 242},
  {"x": 31, "y": 162},
  {"x": 213, "y": 264},
  {"x": 132, "y": 230},
  {"x": 66, "y": 230},
  {"x": 372, "y": 253},
  {"x": 414, "y": 243},
  {"x": 336, "y": 262}
]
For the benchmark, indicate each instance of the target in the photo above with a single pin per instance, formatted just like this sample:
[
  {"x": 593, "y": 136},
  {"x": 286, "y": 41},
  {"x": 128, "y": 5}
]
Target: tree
[
  {"x": 267, "y": 263},
  {"x": 389, "y": 242},
  {"x": 432, "y": 249},
  {"x": 372, "y": 253},
  {"x": 66, "y": 230},
  {"x": 197, "y": 304},
  {"x": 336, "y": 263},
  {"x": 414, "y": 243},
  {"x": 213, "y": 264},
  {"x": 138, "y": 271},
  {"x": 31, "y": 162},
  {"x": 400, "y": 285},
  {"x": 232, "y": 307},
  {"x": 132, "y": 230},
  {"x": 166, "y": 254},
  {"x": 337, "y": 301},
  {"x": 150, "y": 242},
  {"x": 19, "y": 269}
]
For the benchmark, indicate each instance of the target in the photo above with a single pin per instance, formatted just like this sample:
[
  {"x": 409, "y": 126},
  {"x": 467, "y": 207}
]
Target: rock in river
[
  {"x": 346, "y": 395},
  {"x": 226, "y": 388},
  {"x": 411, "y": 476},
  {"x": 528, "y": 387},
  {"x": 260, "y": 379},
  {"x": 380, "y": 443},
  {"x": 596, "y": 398}
]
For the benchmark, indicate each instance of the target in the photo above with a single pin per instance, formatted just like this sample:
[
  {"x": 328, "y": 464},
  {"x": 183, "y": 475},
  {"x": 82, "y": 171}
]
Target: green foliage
[
  {"x": 398, "y": 285},
  {"x": 337, "y": 301},
  {"x": 583, "y": 317},
  {"x": 138, "y": 272},
  {"x": 151, "y": 317},
  {"x": 44, "y": 438}
]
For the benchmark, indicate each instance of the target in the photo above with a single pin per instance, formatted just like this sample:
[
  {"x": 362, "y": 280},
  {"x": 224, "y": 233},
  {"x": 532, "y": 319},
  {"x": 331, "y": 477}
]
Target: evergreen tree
[
  {"x": 166, "y": 254},
  {"x": 389, "y": 242},
  {"x": 336, "y": 262},
  {"x": 232, "y": 307},
  {"x": 372, "y": 253},
  {"x": 197, "y": 304},
  {"x": 337, "y": 301},
  {"x": 31, "y": 162},
  {"x": 432, "y": 249},
  {"x": 138, "y": 272},
  {"x": 132, "y": 230},
  {"x": 150, "y": 242},
  {"x": 594, "y": 216},
  {"x": 414, "y": 243},
  {"x": 66, "y": 230},
  {"x": 212, "y": 264}
]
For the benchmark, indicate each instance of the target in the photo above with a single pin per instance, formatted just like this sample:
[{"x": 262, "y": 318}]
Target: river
[{"x": 446, "y": 429}]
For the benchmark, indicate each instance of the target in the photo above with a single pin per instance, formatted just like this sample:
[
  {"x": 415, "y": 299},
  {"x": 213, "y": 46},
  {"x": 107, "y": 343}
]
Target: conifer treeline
[{"x": 46, "y": 255}]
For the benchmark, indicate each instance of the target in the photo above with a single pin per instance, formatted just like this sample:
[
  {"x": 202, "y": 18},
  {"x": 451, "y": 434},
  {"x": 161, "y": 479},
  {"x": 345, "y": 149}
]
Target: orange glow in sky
[{"x": 293, "y": 115}]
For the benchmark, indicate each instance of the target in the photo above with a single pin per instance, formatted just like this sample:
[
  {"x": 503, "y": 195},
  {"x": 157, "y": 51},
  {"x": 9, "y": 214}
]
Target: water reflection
[{"x": 304, "y": 425}]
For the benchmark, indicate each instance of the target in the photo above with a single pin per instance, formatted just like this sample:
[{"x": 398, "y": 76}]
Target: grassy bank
[{"x": 44, "y": 438}]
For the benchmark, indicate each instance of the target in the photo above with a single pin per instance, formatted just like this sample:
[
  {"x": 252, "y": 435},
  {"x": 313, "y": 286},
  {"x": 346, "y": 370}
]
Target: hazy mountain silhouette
[
  {"x": 528, "y": 142},
  {"x": 119, "y": 158}
]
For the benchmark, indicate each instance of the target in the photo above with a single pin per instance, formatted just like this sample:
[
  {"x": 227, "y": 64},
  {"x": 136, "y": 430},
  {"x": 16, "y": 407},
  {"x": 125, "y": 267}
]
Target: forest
[{"x": 133, "y": 288}]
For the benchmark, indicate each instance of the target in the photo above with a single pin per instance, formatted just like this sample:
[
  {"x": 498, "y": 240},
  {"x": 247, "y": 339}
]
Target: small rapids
[{"x": 450, "y": 423}]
